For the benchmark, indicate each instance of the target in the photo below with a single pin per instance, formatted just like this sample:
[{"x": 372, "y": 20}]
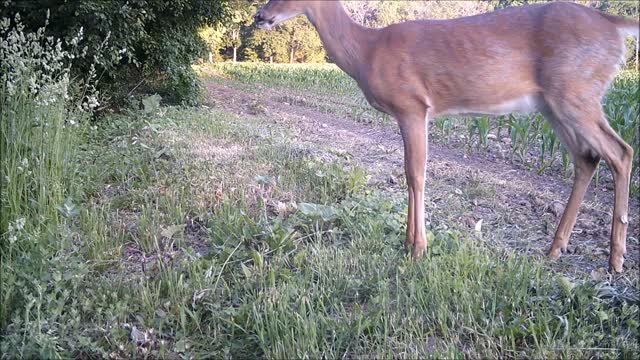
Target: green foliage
[
  {"x": 42, "y": 118},
  {"x": 383, "y": 13},
  {"x": 150, "y": 43},
  {"x": 293, "y": 41}
]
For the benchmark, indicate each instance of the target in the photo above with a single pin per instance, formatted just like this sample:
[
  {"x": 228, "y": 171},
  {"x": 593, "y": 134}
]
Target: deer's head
[{"x": 277, "y": 11}]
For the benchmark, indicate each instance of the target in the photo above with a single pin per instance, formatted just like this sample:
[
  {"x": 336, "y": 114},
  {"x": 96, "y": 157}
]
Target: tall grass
[{"x": 39, "y": 126}]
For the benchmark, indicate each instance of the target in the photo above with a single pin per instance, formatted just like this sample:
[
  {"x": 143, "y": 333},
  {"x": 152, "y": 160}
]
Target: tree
[
  {"x": 363, "y": 12},
  {"x": 292, "y": 41},
  {"x": 382, "y": 13},
  {"x": 241, "y": 15},
  {"x": 213, "y": 36},
  {"x": 269, "y": 45},
  {"x": 629, "y": 9},
  {"x": 148, "y": 42},
  {"x": 304, "y": 42}
]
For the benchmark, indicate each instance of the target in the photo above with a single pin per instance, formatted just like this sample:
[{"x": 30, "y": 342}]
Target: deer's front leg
[{"x": 414, "y": 135}]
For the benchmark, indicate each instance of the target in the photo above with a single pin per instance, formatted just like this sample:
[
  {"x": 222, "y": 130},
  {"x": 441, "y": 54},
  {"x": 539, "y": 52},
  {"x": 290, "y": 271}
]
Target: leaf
[
  {"x": 299, "y": 258},
  {"x": 317, "y": 211},
  {"x": 308, "y": 209},
  {"x": 246, "y": 271},
  {"x": 566, "y": 284},
  {"x": 172, "y": 230},
  {"x": 68, "y": 209},
  {"x": 478, "y": 227},
  {"x": 603, "y": 316},
  {"x": 257, "y": 258},
  {"x": 181, "y": 346},
  {"x": 151, "y": 104}
]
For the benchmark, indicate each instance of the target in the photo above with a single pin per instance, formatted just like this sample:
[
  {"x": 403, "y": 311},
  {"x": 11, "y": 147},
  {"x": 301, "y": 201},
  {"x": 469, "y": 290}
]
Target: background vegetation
[
  {"x": 174, "y": 231},
  {"x": 143, "y": 45}
]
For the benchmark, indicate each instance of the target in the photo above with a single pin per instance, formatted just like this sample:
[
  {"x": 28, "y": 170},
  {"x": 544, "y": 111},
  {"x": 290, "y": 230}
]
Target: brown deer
[{"x": 555, "y": 58}]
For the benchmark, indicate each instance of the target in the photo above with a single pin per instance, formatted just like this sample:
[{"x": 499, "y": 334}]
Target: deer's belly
[{"x": 522, "y": 105}]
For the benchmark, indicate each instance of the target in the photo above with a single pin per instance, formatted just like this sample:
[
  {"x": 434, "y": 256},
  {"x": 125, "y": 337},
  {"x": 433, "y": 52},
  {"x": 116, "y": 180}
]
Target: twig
[
  {"x": 135, "y": 87},
  {"x": 215, "y": 286}
]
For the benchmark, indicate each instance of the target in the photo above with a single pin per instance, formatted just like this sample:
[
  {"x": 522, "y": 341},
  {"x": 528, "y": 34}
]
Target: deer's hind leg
[
  {"x": 586, "y": 133},
  {"x": 585, "y": 166},
  {"x": 414, "y": 135}
]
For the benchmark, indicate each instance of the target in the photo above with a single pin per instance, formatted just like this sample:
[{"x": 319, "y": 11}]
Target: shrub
[{"x": 151, "y": 43}]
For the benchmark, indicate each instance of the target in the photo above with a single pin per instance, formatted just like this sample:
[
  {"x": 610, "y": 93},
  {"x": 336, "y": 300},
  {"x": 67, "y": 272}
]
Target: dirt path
[{"x": 518, "y": 206}]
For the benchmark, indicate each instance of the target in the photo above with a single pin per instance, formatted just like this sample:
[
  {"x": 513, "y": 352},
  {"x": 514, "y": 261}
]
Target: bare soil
[{"x": 518, "y": 208}]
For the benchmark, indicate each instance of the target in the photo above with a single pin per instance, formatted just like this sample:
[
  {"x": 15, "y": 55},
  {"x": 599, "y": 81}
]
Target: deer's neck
[{"x": 345, "y": 41}]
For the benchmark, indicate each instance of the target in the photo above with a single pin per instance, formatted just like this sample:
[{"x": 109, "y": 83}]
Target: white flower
[
  {"x": 4, "y": 24},
  {"x": 93, "y": 102},
  {"x": 20, "y": 224}
]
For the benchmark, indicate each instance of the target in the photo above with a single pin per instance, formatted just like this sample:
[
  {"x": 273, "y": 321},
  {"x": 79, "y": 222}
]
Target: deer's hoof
[
  {"x": 407, "y": 245},
  {"x": 419, "y": 250},
  {"x": 615, "y": 264},
  {"x": 556, "y": 251}
]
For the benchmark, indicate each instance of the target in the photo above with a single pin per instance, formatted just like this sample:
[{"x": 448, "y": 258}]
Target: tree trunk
[
  {"x": 270, "y": 59},
  {"x": 210, "y": 57},
  {"x": 235, "y": 51},
  {"x": 291, "y": 57}
]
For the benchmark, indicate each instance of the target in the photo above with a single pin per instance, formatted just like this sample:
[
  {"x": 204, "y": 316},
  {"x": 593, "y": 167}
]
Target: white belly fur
[{"x": 522, "y": 105}]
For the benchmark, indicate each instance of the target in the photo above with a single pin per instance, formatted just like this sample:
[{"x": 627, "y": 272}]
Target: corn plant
[
  {"x": 548, "y": 147},
  {"x": 479, "y": 126},
  {"x": 445, "y": 126},
  {"x": 622, "y": 107}
]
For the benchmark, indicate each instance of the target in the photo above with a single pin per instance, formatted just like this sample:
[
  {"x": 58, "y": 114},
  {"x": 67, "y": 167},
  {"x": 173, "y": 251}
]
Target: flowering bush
[{"x": 43, "y": 111}]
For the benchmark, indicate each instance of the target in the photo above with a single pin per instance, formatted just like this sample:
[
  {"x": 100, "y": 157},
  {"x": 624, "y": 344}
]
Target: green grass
[
  {"x": 266, "y": 251},
  {"x": 327, "y": 78},
  {"x": 323, "y": 87},
  {"x": 171, "y": 232}
]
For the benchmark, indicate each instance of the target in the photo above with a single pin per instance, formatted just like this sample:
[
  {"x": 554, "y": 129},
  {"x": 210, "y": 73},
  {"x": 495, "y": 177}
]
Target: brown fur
[{"x": 558, "y": 57}]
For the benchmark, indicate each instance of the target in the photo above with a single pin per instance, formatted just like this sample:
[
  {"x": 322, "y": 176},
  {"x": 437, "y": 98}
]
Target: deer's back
[{"x": 494, "y": 57}]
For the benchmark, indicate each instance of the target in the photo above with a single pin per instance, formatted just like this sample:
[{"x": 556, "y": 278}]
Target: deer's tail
[{"x": 626, "y": 26}]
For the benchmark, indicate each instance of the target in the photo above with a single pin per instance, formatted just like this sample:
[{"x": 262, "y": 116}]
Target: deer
[{"x": 557, "y": 59}]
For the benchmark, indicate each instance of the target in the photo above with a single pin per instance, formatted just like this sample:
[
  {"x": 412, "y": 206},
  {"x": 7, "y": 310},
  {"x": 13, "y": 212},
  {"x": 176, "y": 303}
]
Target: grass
[
  {"x": 190, "y": 232},
  {"x": 265, "y": 251},
  {"x": 323, "y": 87}
]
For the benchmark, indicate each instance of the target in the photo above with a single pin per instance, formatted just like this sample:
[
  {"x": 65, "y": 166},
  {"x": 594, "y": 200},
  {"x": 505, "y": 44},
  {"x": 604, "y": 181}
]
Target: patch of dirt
[{"x": 520, "y": 206}]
